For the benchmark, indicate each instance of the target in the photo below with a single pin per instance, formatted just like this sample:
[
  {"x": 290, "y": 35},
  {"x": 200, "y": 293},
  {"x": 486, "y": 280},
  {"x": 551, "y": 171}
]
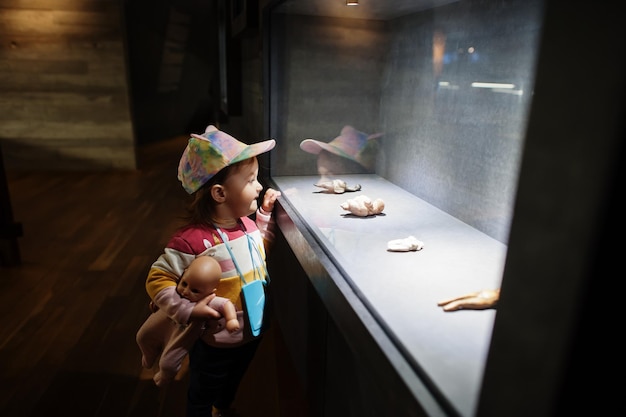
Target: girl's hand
[
  {"x": 269, "y": 199},
  {"x": 202, "y": 311}
]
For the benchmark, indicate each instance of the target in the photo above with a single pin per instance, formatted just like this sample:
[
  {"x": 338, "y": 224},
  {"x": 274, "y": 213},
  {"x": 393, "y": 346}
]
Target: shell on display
[{"x": 410, "y": 243}]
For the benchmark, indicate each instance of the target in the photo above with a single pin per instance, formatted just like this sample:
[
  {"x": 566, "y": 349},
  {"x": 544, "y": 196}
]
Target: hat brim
[
  {"x": 315, "y": 147},
  {"x": 254, "y": 150}
]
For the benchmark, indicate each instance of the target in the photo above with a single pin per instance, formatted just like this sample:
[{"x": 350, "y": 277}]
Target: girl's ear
[{"x": 217, "y": 192}]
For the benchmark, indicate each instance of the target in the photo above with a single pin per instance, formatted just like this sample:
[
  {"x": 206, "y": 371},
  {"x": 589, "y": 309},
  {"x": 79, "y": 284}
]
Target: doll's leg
[
  {"x": 174, "y": 353},
  {"x": 169, "y": 365},
  {"x": 152, "y": 336}
]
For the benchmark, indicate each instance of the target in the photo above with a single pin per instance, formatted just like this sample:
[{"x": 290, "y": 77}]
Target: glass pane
[{"x": 425, "y": 108}]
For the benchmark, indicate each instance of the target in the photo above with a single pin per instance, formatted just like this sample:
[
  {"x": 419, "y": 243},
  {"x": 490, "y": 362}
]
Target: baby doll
[{"x": 160, "y": 335}]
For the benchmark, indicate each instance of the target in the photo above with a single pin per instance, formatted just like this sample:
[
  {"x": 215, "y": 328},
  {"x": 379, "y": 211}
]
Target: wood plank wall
[{"x": 64, "y": 96}]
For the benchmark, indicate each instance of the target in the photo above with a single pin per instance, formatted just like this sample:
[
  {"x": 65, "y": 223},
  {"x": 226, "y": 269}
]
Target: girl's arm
[{"x": 264, "y": 214}]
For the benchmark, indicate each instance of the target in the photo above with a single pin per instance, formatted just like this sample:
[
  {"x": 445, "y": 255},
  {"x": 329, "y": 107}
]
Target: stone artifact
[
  {"x": 337, "y": 186},
  {"x": 404, "y": 245},
  {"x": 479, "y": 300},
  {"x": 363, "y": 206}
]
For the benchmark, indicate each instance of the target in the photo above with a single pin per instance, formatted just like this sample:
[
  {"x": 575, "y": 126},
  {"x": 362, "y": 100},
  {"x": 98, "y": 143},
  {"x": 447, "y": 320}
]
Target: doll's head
[{"x": 200, "y": 279}]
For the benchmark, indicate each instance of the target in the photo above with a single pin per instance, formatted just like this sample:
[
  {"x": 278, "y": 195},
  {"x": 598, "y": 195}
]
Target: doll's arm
[
  {"x": 230, "y": 315},
  {"x": 479, "y": 300},
  {"x": 227, "y": 308}
]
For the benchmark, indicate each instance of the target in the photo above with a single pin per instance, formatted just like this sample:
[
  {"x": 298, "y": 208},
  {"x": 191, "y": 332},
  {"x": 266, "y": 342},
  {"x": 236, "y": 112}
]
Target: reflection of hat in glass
[
  {"x": 352, "y": 144},
  {"x": 208, "y": 153}
]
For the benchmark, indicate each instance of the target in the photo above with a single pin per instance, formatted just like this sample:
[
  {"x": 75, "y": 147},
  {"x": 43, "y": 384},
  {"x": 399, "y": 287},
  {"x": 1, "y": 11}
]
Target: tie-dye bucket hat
[
  {"x": 208, "y": 153},
  {"x": 352, "y": 144}
]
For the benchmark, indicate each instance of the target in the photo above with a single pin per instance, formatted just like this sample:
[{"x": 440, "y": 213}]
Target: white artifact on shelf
[
  {"x": 363, "y": 206},
  {"x": 337, "y": 186},
  {"x": 410, "y": 243}
]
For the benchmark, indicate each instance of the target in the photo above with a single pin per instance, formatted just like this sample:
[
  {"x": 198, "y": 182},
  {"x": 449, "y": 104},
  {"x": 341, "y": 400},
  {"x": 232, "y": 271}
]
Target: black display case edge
[{"x": 370, "y": 342}]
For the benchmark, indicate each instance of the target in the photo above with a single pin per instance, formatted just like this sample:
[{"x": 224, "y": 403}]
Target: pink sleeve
[
  {"x": 263, "y": 223},
  {"x": 218, "y": 304},
  {"x": 176, "y": 307}
]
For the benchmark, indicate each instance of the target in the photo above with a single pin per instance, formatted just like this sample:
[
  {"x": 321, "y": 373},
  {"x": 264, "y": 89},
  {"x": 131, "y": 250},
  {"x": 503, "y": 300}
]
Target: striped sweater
[{"x": 193, "y": 241}]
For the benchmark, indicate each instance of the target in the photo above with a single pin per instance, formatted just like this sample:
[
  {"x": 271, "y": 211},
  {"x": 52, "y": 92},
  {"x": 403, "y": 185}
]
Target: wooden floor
[{"x": 71, "y": 309}]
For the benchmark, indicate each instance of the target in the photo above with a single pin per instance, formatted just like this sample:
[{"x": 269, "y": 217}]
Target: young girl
[{"x": 221, "y": 173}]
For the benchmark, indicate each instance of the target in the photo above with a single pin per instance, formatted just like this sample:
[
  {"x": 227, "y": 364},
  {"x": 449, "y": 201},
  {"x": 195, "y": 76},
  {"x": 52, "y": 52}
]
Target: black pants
[{"x": 214, "y": 376}]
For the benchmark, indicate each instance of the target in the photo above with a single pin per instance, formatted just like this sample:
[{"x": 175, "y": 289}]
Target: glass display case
[{"x": 440, "y": 92}]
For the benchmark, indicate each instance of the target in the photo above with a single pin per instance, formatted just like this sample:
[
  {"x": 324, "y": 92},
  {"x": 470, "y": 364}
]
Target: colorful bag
[{"x": 253, "y": 293}]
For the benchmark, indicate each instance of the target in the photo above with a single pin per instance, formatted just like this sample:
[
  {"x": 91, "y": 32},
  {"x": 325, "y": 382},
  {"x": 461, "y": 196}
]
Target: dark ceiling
[{"x": 367, "y": 9}]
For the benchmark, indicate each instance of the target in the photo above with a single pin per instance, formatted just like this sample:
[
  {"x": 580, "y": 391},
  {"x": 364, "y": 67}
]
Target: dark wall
[
  {"x": 173, "y": 66},
  {"x": 64, "y": 101},
  {"x": 453, "y": 145},
  {"x": 84, "y": 83}
]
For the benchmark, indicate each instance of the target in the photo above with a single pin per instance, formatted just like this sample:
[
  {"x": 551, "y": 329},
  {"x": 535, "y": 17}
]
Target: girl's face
[{"x": 242, "y": 189}]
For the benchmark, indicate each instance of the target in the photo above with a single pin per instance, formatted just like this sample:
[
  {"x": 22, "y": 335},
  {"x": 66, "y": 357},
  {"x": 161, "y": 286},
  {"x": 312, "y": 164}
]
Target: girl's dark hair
[{"x": 201, "y": 210}]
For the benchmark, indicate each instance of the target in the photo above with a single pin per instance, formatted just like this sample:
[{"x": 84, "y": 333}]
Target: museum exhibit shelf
[{"x": 402, "y": 288}]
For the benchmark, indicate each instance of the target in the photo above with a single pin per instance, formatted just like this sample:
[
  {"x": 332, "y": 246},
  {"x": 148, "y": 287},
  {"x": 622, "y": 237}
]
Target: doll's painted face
[{"x": 200, "y": 279}]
